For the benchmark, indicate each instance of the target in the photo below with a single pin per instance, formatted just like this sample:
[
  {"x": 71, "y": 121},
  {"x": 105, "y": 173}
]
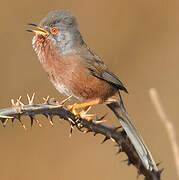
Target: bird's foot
[{"x": 82, "y": 114}]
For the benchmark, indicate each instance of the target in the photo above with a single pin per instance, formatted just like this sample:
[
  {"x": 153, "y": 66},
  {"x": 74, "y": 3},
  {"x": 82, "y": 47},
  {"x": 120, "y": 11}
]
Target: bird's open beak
[{"x": 38, "y": 30}]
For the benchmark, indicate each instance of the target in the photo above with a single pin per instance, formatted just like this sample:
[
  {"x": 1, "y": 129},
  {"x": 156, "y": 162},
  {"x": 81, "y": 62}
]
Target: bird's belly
[
  {"x": 62, "y": 89},
  {"x": 82, "y": 86},
  {"x": 71, "y": 77},
  {"x": 95, "y": 88},
  {"x": 86, "y": 87}
]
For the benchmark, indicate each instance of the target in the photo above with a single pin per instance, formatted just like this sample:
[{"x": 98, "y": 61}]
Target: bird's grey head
[
  {"x": 61, "y": 19},
  {"x": 61, "y": 27}
]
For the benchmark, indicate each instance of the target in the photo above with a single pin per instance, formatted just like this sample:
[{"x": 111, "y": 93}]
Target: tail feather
[{"x": 120, "y": 111}]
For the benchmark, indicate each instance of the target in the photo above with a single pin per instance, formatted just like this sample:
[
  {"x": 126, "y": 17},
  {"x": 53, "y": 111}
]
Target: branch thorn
[
  {"x": 32, "y": 118},
  {"x": 113, "y": 139},
  {"x": 31, "y": 100},
  {"x": 4, "y": 122},
  {"x": 105, "y": 139},
  {"x": 46, "y": 99},
  {"x": 65, "y": 100},
  {"x": 119, "y": 151},
  {"x": 21, "y": 123},
  {"x": 158, "y": 163},
  {"x": 71, "y": 130},
  {"x": 99, "y": 122},
  {"x": 160, "y": 171}
]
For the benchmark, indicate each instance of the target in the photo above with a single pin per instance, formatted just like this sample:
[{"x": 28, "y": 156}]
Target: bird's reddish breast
[{"x": 69, "y": 74}]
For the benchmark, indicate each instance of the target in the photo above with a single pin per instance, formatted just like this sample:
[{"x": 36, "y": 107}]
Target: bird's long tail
[{"x": 120, "y": 111}]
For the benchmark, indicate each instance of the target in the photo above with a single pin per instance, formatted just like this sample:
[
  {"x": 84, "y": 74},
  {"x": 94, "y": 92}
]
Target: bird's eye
[{"x": 54, "y": 30}]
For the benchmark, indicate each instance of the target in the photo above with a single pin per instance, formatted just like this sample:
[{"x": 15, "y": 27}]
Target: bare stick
[{"x": 168, "y": 125}]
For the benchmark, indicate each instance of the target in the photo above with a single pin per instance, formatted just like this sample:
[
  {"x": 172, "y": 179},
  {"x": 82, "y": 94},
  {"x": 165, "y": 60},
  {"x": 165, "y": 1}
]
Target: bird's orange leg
[{"x": 86, "y": 106}]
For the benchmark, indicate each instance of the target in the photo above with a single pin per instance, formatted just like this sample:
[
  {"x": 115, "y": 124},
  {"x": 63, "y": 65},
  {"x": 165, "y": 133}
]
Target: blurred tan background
[{"x": 139, "y": 40}]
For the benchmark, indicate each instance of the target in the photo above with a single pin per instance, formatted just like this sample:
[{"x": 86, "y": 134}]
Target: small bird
[{"x": 75, "y": 70}]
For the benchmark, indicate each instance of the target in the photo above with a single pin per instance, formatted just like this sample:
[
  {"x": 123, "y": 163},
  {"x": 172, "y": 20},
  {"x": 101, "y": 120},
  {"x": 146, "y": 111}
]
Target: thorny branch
[{"x": 52, "y": 108}]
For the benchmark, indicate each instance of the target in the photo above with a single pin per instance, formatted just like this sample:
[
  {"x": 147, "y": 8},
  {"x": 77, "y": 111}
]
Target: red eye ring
[{"x": 54, "y": 30}]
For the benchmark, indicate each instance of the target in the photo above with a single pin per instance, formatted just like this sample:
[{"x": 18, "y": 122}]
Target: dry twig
[{"x": 168, "y": 125}]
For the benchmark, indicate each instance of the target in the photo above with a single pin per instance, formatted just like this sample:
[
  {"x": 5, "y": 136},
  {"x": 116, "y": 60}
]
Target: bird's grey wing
[{"x": 98, "y": 69}]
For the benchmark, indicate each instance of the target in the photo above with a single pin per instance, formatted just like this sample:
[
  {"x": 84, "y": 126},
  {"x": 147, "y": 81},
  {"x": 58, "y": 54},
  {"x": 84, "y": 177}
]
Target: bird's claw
[{"x": 82, "y": 114}]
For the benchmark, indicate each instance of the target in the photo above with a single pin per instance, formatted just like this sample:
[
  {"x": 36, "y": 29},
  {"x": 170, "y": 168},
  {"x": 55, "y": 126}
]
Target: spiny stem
[{"x": 50, "y": 109}]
